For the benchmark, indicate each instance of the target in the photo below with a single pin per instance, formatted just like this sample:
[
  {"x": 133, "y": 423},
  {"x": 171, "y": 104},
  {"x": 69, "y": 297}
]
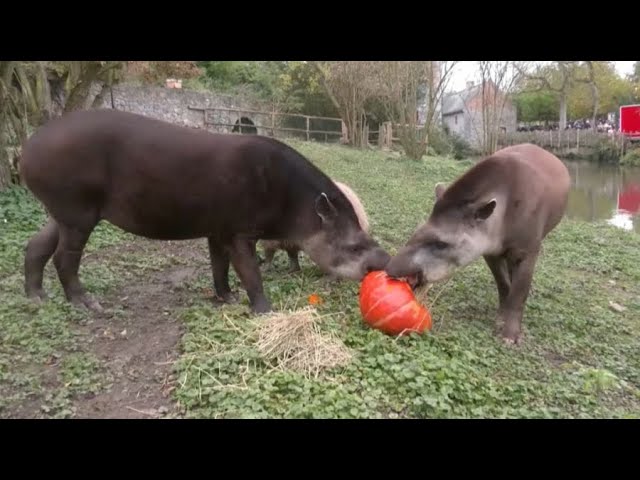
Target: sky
[{"x": 465, "y": 71}]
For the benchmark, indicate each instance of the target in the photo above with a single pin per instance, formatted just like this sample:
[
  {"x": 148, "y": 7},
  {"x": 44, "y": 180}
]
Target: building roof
[{"x": 454, "y": 102}]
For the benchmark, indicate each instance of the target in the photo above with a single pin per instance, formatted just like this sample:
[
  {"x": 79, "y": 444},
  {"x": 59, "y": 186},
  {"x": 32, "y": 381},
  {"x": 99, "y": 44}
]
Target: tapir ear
[
  {"x": 485, "y": 210},
  {"x": 440, "y": 188},
  {"x": 324, "y": 208}
]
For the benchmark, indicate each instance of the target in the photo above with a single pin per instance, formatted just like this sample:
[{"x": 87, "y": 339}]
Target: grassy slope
[{"x": 579, "y": 360}]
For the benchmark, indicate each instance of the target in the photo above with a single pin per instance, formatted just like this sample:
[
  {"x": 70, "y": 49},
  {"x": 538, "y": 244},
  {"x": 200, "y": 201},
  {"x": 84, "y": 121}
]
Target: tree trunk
[
  {"x": 97, "y": 101},
  {"x": 57, "y": 93},
  {"x": 5, "y": 175},
  {"x": 47, "y": 103},
  {"x": 77, "y": 99},
  {"x": 563, "y": 111},
  {"x": 5, "y": 168},
  {"x": 326, "y": 86},
  {"x": 596, "y": 101}
]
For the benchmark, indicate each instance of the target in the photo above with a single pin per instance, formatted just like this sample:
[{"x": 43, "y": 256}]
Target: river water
[{"x": 605, "y": 193}]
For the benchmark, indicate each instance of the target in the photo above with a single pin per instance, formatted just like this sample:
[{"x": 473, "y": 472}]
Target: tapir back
[
  {"x": 541, "y": 182},
  {"x": 152, "y": 178}
]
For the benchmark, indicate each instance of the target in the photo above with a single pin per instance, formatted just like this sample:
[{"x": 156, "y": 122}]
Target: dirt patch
[
  {"x": 30, "y": 407},
  {"x": 136, "y": 339},
  {"x": 555, "y": 359}
]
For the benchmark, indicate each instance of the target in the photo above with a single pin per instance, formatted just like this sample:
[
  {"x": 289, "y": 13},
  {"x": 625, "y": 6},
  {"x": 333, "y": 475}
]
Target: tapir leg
[
  {"x": 512, "y": 309},
  {"x": 66, "y": 259},
  {"x": 38, "y": 252},
  {"x": 500, "y": 271},
  {"x": 245, "y": 263},
  {"x": 294, "y": 264},
  {"x": 269, "y": 253},
  {"x": 219, "y": 257}
]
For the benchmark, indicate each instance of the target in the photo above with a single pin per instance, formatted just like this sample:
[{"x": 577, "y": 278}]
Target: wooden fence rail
[
  {"x": 271, "y": 121},
  {"x": 383, "y": 137},
  {"x": 565, "y": 141}
]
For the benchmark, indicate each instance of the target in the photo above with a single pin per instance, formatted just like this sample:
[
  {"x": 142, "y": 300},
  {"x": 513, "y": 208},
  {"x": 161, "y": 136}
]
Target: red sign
[
  {"x": 629, "y": 199},
  {"x": 630, "y": 120}
]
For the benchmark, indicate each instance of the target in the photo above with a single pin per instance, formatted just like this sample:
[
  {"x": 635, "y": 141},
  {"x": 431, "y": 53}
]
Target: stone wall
[{"x": 172, "y": 105}]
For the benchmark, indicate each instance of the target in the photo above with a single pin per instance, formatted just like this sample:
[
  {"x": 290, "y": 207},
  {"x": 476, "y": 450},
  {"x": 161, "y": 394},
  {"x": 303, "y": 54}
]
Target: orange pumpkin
[{"x": 389, "y": 305}]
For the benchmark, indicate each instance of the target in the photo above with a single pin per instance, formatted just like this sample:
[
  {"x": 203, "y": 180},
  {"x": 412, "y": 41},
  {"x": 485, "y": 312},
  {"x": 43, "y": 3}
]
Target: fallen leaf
[
  {"x": 616, "y": 307},
  {"x": 315, "y": 299}
]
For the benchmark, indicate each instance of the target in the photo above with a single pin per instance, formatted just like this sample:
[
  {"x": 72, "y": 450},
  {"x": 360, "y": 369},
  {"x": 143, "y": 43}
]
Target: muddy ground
[
  {"x": 138, "y": 348},
  {"x": 136, "y": 339}
]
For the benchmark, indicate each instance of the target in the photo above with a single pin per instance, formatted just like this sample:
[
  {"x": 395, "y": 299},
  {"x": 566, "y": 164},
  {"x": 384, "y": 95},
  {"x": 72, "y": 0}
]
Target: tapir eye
[
  {"x": 355, "y": 248},
  {"x": 438, "y": 245}
]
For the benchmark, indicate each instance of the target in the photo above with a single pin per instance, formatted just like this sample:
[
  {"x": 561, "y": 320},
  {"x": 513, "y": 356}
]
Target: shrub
[
  {"x": 605, "y": 151},
  {"x": 631, "y": 158},
  {"x": 450, "y": 145}
]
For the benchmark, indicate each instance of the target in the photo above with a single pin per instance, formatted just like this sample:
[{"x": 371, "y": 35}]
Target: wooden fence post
[
  {"x": 381, "y": 135},
  {"x": 389, "y": 135},
  {"x": 5, "y": 170},
  {"x": 307, "y": 128},
  {"x": 345, "y": 133}
]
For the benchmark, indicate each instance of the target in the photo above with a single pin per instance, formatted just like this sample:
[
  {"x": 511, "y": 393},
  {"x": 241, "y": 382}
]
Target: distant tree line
[
  {"x": 363, "y": 94},
  {"x": 565, "y": 91}
]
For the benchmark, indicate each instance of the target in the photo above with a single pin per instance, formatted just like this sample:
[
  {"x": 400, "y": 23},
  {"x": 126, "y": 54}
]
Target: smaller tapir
[{"x": 501, "y": 209}]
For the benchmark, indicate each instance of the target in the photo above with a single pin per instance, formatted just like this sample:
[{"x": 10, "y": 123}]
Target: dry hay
[
  {"x": 422, "y": 296},
  {"x": 294, "y": 341}
]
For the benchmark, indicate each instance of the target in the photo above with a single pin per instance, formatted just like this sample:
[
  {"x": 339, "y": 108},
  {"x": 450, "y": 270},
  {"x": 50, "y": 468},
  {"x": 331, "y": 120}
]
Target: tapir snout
[
  {"x": 402, "y": 264},
  {"x": 378, "y": 260}
]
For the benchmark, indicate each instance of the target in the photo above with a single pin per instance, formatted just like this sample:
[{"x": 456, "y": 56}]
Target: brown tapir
[
  {"x": 168, "y": 182},
  {"x": 501, "y": 209}
]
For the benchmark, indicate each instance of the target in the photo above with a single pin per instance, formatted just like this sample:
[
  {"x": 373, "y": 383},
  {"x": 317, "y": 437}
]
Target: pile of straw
[
  {"x": 422, "y": 294},
  {"x": 293, "y": 340}
]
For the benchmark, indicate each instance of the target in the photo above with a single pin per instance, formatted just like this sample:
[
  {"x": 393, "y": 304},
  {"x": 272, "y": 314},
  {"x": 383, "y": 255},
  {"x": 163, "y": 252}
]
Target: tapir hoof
[
  {"x": 511, "y": 336},
  {"x": 261, "y": 305},
  {"x": 230, "y": 298},
  {"x": 37, "y": 301},
  {"x": 87, "y": 302},
  {"x": 37, "y": 296},
  {"x": 512, "y": 342}
]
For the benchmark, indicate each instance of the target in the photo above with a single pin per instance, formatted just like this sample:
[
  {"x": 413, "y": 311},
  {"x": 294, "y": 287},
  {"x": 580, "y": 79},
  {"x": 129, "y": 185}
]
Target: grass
[
  {"x": 631, "y": 158},
  {"x": 580, "y": 357}
]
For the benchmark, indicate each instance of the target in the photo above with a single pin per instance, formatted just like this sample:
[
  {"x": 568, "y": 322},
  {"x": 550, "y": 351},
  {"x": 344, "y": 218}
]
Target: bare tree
[
  {"x": 595, "y": 93},
  {"x": 561, "y": 79},
  {"x": 350, "y": 85},
  {"x": 496, "y": 83},
  {"x": 405, "y": 88}
]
